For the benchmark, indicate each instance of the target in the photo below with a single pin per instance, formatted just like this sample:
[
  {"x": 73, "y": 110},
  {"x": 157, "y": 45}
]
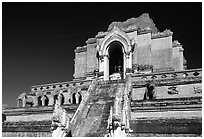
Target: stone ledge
[
  {"x": 80, "y": 49},
  {"x": 34, "y": 126},
  {"x": 36, "y": 110},
  {"x": 167, "y": 82},
  {"x": 165, "y": 72},
  {"x": 167, "y": 126},
  {"x": 179, "y": 104}
]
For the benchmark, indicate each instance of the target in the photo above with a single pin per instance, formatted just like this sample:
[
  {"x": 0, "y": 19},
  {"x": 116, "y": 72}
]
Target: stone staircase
[{"x": 92, "y": 118}]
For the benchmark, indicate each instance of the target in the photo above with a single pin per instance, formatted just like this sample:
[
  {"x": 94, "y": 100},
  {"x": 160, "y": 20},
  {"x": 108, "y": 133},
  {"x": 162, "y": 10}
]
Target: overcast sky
[{"x": 39, "y": 38}]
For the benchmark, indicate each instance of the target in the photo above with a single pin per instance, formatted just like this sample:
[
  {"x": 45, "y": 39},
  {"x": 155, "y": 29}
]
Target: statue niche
[{"x": 150, "y": 93}]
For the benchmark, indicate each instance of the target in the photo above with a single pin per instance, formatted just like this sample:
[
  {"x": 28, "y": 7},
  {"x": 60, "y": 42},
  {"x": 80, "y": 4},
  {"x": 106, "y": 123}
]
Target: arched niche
[{"x": 116, "y": 57}]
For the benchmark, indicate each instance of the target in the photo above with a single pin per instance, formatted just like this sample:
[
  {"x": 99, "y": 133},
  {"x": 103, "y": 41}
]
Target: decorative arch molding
[
  {"x": 127, "y": 45},
  {"x": 115, "y": 35}
]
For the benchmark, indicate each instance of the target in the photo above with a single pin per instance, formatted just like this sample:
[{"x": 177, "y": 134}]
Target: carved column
[
  {"x": 130, "y": 60},
  {"x": 124, "y": 65},
  {"x": 127, "y": 56},
  {"x": 101, "y": 63},
  {"x": 43, "y": 100},
  {"x": 77, "y": 98},
  {"x": 106, "y": 67},
  {"x": 67, "y": 97},
  {"x": 35, "y": 101},
  {"x": 59, "y": 99}
]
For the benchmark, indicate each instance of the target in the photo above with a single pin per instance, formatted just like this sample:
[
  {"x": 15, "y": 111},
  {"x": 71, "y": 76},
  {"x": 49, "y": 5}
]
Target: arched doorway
[{"x": 115, "y": 52}]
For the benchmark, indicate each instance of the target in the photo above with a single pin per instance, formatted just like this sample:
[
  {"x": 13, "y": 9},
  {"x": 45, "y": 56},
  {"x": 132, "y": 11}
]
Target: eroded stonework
[
  {"x": 144, "y": 49},
  {"x": 130, "y": 80}
]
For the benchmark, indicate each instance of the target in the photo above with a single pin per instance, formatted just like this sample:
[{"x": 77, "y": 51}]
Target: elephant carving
[
  {"x": 26, "y": 99},
  {"x": 150, "y": 93}
]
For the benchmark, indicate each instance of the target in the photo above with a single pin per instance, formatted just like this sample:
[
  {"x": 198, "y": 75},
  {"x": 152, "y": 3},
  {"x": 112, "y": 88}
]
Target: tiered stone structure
[
  {"x": 130, "y": 80},
  {"x": 139, "y": 47}
]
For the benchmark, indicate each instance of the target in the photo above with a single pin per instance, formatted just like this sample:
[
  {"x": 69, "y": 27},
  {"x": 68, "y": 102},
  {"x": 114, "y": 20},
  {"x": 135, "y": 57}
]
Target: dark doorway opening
[
  {"x": 46, "y": 101},
  {"x": 55, "y": 98},
  {"x": 39, "y": 101},
  {"x": 73, "y": 98},
  {"x": 115, "y": 58},
  {"x": 80, "y": 98}
]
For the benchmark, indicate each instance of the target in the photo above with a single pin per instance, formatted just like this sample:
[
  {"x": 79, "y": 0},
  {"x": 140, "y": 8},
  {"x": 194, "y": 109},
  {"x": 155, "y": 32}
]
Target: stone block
[
  {"x": 31, "y": 117},
  {"x": 161, "y": 43},
  {"x": 92, "y": 61},
  {"x": 186, "y": 90},
  {"x": 138, "y": 93},
  {"x": 142, "y": 55},
  {"x": 177, "y": 58},
  {"x": 161, "y": 58},
  {"x": 80, "y": 64},
  {"x": 143, "y": 40}
]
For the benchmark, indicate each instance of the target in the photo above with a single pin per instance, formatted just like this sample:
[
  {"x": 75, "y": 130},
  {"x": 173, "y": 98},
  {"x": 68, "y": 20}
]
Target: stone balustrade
[
  {"x": 172, "y": 75},
  {"x": 59, "y": 85}
]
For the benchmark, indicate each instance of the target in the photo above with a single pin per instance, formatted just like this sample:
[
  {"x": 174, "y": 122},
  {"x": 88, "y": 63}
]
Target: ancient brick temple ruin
[{"x": 131, "y": 80}]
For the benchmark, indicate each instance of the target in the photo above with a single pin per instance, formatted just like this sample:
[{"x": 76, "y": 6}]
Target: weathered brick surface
[
  {"x": 167, "y": 126},
  {"x": 80, "y": 64},
  {"x": 33, "y": 117},
  {"x": 28, "y": 126},
  {"x": 91, "y": 63},
  {"x": 93, "y": 121},
  {"x": 186, "y": 90},
  {"x": 26, "y": 134}
]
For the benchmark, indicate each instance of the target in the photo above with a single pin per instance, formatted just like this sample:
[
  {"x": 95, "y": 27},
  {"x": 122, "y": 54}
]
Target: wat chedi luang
[{"x": 131, "y": 80}]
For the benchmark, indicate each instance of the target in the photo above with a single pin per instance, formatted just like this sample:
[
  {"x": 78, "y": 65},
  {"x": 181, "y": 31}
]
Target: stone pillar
[
  {"x": 71, "y": 98},
  {"x": 130, "y": 60},
  {"x": 51, "y": 100},
  {"x": 127, "y": 60},
  {"x": 43, "y": 100},
  {"x": 35, "y": 101},
  {"x": 77, "y": 98},
  {"x": 59, "y": 99},
  {"x": 101, "y": 64},
  {"x": 106, "y": 67},
  {"x": 124, "y": 65},
  {"x": 181, "y": 58},
  {"x": 66, "y": 98}
]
